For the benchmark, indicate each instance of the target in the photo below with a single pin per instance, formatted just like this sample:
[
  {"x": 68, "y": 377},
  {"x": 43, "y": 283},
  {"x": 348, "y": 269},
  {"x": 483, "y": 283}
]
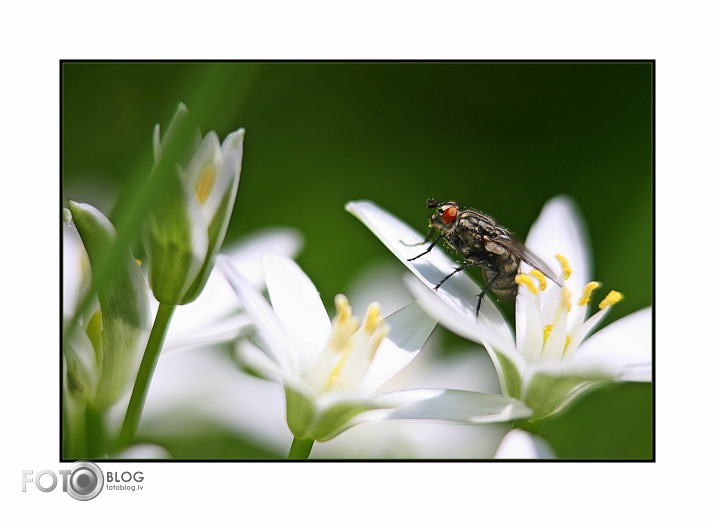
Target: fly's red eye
[{"x": 449, "y": 215}]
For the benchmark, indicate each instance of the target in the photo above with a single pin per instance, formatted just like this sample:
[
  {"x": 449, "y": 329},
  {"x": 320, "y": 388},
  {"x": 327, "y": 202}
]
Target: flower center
[
  {"x": 554, "y": 328},
  {"x": 350, "y": 349}
]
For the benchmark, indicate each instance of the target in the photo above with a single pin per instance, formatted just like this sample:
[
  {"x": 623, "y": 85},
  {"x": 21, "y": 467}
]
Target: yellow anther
[
  {"x": 344, "y": 324},
  {"x": 335, "y": 374},
  {"x": 94, "y": 330},
  {"x": 540, "y": 277},
  {"x": 523, "y": 279},
  {"x": 138, "y": 261},
  {"x": 547, "y": 331},
  {"x": 566, "y": 299},
  {"x": 565, "y": 267},
  {"x": 612, "y": 298},
  {"x": 343, "y": 310},
  {"x": 205, "y": 183},
  {"x": 372, "y": 317},
  {"x": 587, "y": 290}
]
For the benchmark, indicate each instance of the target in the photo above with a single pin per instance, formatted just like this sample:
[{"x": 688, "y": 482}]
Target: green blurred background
[{"x": 501, "y": 137}]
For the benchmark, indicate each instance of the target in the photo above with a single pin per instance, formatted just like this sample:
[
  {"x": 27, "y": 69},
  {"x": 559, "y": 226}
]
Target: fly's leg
[
  {"x": 484, "y": 291},
  {"x": 458, "y": 269},
  {"x": 430, "y": 247}
]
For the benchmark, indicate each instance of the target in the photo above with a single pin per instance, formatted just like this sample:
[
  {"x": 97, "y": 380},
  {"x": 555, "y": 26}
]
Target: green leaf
[{"x": 123, "y": 302}]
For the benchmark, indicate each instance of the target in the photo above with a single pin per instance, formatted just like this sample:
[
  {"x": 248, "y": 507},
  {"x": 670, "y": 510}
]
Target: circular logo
[{"x": 86, "y": 480}]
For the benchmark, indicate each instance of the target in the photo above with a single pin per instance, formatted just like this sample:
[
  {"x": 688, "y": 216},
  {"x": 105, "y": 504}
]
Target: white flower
[
  {"x": 200, "y": 387},
  {"x": 552, "y": 359},
  {"x": 332, "y": 371}
]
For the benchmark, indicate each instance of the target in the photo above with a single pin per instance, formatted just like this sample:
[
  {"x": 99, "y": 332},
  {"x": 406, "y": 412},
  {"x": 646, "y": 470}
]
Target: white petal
[
  {"x": 519, "y": 444},
  {"x": 208, "y": 152},
  {"x": 409, "y": 329},
  {"x": 276, "y": 340},
  {"x": 232, "y": 152},
  {"x": 430, "y": 268},
  {"x": 449, "y": 405},
  {"x": 75, "y": 270},
  {"x": 559, "y": 229},
  {"x": 144, "y": 451},
  {"x": 255, "y": 359},
  {"x": 624, "y": 347},
  {"x": 297, "y": 305},
  {"x": 215, "y": 311},
  {"x": 247, "y": 253},
  {"x": 454, "y": 310}
]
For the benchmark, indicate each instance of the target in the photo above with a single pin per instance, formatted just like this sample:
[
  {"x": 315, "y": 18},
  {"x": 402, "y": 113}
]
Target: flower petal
[
  {"x": 248, "y": 252},
  {"x": 257, "y": 361},
  {"x": 449, "y": 405},
  {"x": 453, "y": 309},
  {"x": 409, "y": 329},
  {"x": 624, "y": 348},
  {"x": 431, "y": 268},
  {"x": 560, "y": 229},
  {"x": 275, "y": 339},
  {"x": 519, "y": 444},
  {"x": 208, "y": 194},
  {"x": 297, "y": 305},
  {"x": 76, "y": 276}
]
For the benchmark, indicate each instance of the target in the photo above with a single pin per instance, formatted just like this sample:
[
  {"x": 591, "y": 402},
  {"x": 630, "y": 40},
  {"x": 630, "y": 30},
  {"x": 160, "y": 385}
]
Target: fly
[{"x": 481, "y": 242}]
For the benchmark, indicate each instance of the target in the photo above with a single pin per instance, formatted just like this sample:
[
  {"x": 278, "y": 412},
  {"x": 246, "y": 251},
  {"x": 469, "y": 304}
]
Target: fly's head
[{"x": 445, "y": 216}]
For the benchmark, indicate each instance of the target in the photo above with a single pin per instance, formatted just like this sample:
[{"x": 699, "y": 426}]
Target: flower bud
[
  {"x": 185, "y": 231},
  {"x": 118, "y": 331}
]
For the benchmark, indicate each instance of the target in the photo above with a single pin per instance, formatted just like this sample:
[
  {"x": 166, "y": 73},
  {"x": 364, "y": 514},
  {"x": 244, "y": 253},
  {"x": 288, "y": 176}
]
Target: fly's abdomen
[{"x": 502, "y": 278}]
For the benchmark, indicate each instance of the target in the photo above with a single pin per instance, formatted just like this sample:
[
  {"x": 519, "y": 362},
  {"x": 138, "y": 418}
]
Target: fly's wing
[{"x": 527, "y": 256}]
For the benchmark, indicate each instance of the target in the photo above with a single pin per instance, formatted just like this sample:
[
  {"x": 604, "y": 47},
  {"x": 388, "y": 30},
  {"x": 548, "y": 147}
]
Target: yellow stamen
[
  {"x": 335, "y": 374},
  {"x": 372, "y": 317},
  {"x": 344, "y": 324},
  {"x": 547, "y": 331},
  {"x": 538, "y": 275},
  {"x": 565, "y": 267},
  {"x": 612, "y": 298},
  {"x": 566, "y": 299},
  {"x": 205, "y": 183},
  {"x": 138, "y": 261},
  {"x": 94, "y": 330},
  {"x": 343, "y": 310},
  {"x": 587, "y": 290},
  {"x": 523, "y": 279}
]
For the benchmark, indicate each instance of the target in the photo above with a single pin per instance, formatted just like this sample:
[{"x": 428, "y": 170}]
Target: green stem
[
  {"x": 95, "y": 435},
  {"x": 300, "y": 448},
  {"x": 146, "y": 371}
]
